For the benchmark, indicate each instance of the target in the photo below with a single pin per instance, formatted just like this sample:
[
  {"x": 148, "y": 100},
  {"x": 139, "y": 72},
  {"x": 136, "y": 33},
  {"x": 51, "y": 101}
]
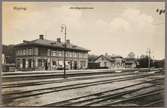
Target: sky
[{"x": 113, "y": 28}]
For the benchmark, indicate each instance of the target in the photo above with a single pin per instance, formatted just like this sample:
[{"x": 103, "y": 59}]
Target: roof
[
  {"x": 51, "y": 43},
  {"x": 112, "y": 59},
  {"x": 130, "y": 60},
  {"x": 116, "y": 56},
  {"x": 108, "y": 58}
]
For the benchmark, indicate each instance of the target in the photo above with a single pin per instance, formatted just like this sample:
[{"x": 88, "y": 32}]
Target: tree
[
  {"x": 159, "y": 63},
  {"x": 142, "y": 56},
  {"x": 131, "y": 55},
  {"x": 143, "y": 62},
  {"x": 91, "y": 58},
  {"x": 9, "y": 52}
]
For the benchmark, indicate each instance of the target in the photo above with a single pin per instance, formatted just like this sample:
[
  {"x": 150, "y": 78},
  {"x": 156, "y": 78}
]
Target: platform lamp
[{"x": 64, "y": 29}]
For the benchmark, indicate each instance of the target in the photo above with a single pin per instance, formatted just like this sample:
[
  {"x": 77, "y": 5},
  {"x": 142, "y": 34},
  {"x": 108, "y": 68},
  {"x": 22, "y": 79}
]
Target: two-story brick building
[{"x": 43, "y": 54}]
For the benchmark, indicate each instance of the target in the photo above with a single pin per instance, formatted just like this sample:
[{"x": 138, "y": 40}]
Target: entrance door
[
  {"x": 24, "y": 63},
  {"x": 75, "y": 64},
  {"x": 71, "y": 64},
  {"x": 46, "y": 64},
  {"x": 29, "y": 63}
]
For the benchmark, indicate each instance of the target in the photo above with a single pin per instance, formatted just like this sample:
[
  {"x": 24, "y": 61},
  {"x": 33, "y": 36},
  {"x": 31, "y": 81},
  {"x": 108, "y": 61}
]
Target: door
[
  {"x": 70, "y": 64},
  {"x": 75, "y": 64},
  {"x": 29, "y": 63},
  {"x": 46, "y": 64},
  {"x": 24, "y": 63}
]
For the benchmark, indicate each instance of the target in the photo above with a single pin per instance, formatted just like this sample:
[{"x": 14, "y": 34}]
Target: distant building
[
  {"x": 110, "y": 61},
  {"x": 7, "y": 67},
  {"x": 104, "y": 61},
  {"x": 130, "y": 62},
  {"x": 9, "y": 54},
  {"x": 114, "y": 62},
  {"x": 43, "y": 54}
]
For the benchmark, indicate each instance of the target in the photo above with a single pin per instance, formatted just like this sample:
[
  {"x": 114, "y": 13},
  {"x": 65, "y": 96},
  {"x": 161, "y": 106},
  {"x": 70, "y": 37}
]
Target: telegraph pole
[
  {"x": 65, "y": 33},
  {"x": 153, "y": 61},
  {"x": 149, "y": 54}
]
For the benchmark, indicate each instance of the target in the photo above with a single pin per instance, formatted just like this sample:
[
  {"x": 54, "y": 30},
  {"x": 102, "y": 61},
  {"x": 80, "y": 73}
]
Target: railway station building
[
  {"x": 43, "y": 54},
  {"x": 131, "y": 62},
  {"x": 111, "y": 62},
  {"x": 115, "y": 62}
]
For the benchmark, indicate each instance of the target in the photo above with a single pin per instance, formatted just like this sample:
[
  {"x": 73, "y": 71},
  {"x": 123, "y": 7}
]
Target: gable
[{"x": 102, "y": 58}]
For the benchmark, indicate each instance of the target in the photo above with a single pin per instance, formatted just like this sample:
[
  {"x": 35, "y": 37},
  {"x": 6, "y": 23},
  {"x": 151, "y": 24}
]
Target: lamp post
[
  {"x": 149, "y": 53},
  {"x": 64, "y": 28}
]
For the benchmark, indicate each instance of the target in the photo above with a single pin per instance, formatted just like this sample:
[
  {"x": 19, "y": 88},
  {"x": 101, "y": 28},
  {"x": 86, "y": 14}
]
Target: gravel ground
[{"x": 58, "y": 96}]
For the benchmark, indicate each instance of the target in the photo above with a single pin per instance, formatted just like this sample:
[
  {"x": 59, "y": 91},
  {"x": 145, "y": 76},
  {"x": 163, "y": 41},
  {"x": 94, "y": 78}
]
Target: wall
[
  {"x": 102, "y": 62},
  {"x": 48, "y": 56}
]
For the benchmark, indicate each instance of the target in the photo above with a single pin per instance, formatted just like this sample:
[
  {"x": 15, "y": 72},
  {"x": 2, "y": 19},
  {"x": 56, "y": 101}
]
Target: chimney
[
  {"x": 41, "y": 36},
  {"x": 58, "y": 40},
  {"x": 106, "y": 54},
  {"x": 68, "y": 41}
]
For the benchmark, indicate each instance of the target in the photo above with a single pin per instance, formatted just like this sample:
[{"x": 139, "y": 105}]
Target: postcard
[{"x": 83, "y": 54}]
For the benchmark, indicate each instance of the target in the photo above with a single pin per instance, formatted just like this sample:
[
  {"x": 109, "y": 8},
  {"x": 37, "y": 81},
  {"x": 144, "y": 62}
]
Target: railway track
[
  {"x": 104, "y": 96},
  {"x": 137, "y": 97},
  {"x": 41, "y": 82},
  {"x": 155, "y": 103},
  {"x": 149, "y": 99},
  {"x": 48, "y": 75},
  {"x": 10, "y": 77},
  {"x": 74, "y": 71},
  {"x": 91, "y": 83},
  {"x": 46, "y": 81},
  {"x": 11, "y": 96},
  {"x": 152, "y": 82}
]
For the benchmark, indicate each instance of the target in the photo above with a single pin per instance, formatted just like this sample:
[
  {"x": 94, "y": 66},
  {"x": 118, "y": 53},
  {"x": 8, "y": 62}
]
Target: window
[
  {"x": 59, "y": 53},
  {"x": 53, "y": 53},
  {"x": 39, "y": 62},
  {"x": 82, "y": 64},
  {"x": 17, "y": 52},
  {"x": 85, "y": 55},
  {"x": 67, "y": 53},
  {"x": 35, "y": 51},
  {"x": 75, "y": 54},
  {"x": 80, "y": 55},
  {"x": 62, "y": 53},
  {"x": 70, "y": 54},
  {"x": 53, "y": 62},
  {"x": 105, "y": 64},
  {"x": 29, "y": 63},
  {"x": 24, "y": 52},
  {"x": 21, "y": 52},
  {"x": 29, "y": 51},
  {"x": 18, "y": 63},
  {"x": 49, "y": 51}
]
